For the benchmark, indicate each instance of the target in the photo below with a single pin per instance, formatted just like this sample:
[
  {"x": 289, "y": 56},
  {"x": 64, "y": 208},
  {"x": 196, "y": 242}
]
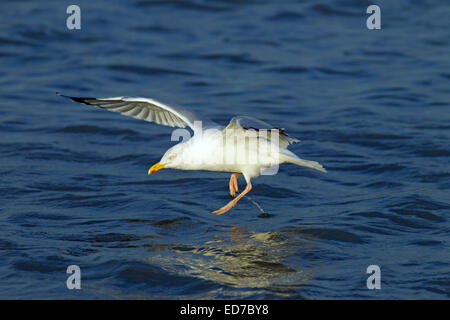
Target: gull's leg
[
  {"x": 234, "y": 183},
  {"x": 233, "y": 202}
]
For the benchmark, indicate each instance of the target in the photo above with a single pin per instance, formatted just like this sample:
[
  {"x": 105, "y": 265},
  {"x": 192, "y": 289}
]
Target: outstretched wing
[
  {"x": 148, "y": 110},
  {"x": 247, "y": 123}
]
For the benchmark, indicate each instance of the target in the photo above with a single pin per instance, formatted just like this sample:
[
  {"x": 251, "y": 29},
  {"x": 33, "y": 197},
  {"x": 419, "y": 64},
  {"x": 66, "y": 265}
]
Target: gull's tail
[{"x": 289, "y": 157}]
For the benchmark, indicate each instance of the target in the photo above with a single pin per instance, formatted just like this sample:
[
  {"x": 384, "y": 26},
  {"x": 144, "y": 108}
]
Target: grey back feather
[{"x": 264, "y": 130}]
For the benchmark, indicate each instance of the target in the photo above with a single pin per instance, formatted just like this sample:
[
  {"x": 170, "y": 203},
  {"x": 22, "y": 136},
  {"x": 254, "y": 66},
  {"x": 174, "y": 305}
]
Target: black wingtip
[{"x": 76, "y": 99}]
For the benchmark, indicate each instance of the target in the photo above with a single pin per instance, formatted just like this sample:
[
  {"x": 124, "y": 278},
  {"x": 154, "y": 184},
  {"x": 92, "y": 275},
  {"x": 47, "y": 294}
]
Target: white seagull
[{"x": 246, "y": 146}]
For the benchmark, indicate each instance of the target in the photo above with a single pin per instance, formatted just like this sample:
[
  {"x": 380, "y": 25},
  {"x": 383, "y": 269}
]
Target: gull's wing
[
  {"x": 247, "y": 123},
  {"x": 148, "y": 110}
]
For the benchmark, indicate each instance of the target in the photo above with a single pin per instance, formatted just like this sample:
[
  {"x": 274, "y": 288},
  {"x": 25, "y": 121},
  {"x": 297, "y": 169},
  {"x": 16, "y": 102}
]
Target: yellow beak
[{"x": 156, "y": 167}]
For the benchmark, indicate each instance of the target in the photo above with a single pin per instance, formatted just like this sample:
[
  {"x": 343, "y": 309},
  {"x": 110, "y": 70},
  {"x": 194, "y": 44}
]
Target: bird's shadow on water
[{"x": 235, "y": 261}]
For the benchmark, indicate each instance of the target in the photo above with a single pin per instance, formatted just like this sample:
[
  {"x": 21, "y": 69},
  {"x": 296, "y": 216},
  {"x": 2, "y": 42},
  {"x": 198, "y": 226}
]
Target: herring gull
[{"x": 246, "y": 146}]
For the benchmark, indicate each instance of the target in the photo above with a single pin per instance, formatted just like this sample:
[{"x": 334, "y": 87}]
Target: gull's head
[{"x": 171, "y": 159}]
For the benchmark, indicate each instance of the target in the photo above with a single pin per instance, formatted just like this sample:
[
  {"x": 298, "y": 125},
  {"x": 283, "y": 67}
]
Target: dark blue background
[{"x": 371, "y": 105}]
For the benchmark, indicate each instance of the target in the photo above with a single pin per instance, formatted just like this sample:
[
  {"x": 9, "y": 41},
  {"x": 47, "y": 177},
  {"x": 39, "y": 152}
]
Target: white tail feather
[{"x": 304, "y": 163}]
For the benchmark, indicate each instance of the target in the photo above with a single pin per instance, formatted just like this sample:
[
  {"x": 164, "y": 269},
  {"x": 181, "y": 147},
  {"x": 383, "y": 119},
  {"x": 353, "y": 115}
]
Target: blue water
[{"x": 371, "y": 105}]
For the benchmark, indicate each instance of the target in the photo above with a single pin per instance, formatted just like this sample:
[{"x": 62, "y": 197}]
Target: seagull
[{"x": 246, "y": 146}]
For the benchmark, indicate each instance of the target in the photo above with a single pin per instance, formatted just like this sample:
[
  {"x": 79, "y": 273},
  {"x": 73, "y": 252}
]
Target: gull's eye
[{"x": 172, "y": 157}]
